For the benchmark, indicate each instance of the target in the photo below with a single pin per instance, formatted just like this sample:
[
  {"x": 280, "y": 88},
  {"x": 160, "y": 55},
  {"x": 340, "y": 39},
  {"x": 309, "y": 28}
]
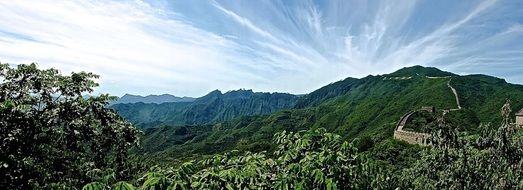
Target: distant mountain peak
[
  {"x": 241, "y": 90},
  {"x": 213, "y": 107},
  {"x": 215, "y": 92},
  {"x": 129, "y": 95},
  {"x": 419, "y": 70}
]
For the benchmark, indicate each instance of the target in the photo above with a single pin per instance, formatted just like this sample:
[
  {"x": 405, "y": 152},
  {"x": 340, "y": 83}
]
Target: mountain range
[
  {"x": 367, "y": 108},
  {"x": 155, "y": 99},
  {"x": 211, "y": 108}
]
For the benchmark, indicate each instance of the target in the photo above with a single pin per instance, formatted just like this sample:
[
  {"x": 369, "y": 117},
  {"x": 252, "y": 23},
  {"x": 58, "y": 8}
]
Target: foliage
[
  {"x": 53, "y": 137},
  {"x": 421, "y": 122},
  {"x": 484, "y": 94},
  {"x": 168, "y": 136},
  {"x": 311, "y": 159},
  {"x": 420, "y": 71},
  {"x": 366, "y": 110},
  {"x": 327, "y": 92},
  {"x": 491, "y": 160},
  {"x": 353, "y": 108},
  {"x": 317, "y": 159}
]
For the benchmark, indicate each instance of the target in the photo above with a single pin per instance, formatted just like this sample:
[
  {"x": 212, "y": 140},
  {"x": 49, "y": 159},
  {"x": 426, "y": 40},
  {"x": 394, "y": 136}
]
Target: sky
[{"x": 188, "y": 48}]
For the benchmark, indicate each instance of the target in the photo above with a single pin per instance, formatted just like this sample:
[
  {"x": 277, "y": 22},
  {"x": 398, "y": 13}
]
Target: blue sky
[{"x": 188, "y": 48}]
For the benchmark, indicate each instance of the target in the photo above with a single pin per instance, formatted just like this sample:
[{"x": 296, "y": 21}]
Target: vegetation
[
  {"x": 52, "y": 137},
  {"x": 367, "y": 108},
  {"x": 420, "y": 71},
  {"x": 316, "y": 159},
  {"x": 311, "y": 159},
  {"x": 421, "y": 122},
  {"x": 482, "y": 94},
  {"x": 491, "y": 160}
]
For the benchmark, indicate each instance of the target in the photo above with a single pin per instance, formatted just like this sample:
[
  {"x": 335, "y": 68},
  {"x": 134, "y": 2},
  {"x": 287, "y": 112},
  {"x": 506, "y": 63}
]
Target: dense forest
[
  {"x": 367, "y": 108},
  {"x": 338, "y": 137}
]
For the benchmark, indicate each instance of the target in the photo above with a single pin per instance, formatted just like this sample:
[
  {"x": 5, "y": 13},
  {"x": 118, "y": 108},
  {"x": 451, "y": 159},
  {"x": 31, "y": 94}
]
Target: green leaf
[
  {"x": 94, "y": 186},
  {"x": 229, "y": 187},
  {"x": 195, "y": 184},
  {"x": 331, "y": 185},
  {"x": 122, "y": 185}
]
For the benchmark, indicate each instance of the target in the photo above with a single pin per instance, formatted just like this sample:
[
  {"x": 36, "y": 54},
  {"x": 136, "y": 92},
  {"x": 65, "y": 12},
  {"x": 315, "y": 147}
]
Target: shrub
[{"x": 51, "y": 136}]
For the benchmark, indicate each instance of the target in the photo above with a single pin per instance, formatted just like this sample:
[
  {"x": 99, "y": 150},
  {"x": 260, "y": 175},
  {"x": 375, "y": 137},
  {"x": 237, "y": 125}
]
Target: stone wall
[
  {"x": 412, "y": 137},
  {"x": 409, "y": 136},
  {"x": 403, "y": 120},
  {"x": 430, "y": 109},
  {"x": 519, "y": 120}
]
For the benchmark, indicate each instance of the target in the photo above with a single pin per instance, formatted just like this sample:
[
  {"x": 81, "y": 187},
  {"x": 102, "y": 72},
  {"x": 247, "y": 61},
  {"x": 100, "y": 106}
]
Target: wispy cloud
[
  {"x": 245, "y": 22},
  {"x": 292, "y": 46},
  {"x": 129, "y": 44}
]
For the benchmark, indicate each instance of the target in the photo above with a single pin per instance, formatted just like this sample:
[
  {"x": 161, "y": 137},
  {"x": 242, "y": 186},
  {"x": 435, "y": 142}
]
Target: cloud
[
  {"x": 448, "y": 45},
  {"x": 245, "y": 22},
  {"x": 177, "y": 47},
  {"x": 130, "y": 44}
]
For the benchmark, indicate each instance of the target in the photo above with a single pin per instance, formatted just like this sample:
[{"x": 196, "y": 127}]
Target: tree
[
  {"x": 312, "y": 159},
  {"x": 491, "y": 160},
  {"x": 51, "y": 136},
  {"x": 317, "y": 159}
]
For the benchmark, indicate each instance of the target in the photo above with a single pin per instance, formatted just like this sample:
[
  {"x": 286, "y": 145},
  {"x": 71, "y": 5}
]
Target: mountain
[
  {"x": 420, "y": 71},
  {"x": 367, "y": 108},
  {"x": 341, "y": 87},
  {"x": 156, "y": 99},
  {"x": 150, "y": 115},
  {"x": 211, "y": 108},
  {"x": 327, "y": 92}
]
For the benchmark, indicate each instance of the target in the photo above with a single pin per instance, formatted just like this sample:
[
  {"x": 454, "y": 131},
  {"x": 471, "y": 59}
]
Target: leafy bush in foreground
[
  {"x": 304, "y": 160},
  {"x": 51, "y": 136}
]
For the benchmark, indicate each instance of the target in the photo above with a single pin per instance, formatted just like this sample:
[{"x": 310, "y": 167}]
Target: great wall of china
[
  {"x": 409, "y": 136},
  {"x": 416, "y": 137},
  {"x": 424, "y": 138},
  {"x": 455, "y": 95}
]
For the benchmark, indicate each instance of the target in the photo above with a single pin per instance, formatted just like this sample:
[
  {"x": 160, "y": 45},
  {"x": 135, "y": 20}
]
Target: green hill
[
  {"x": 368, "y": 108},
  {"x": 420, "y": 71},
  {"x": 211, "y": 108},
  {"x": 146, "y": 115},
  {"x": 71, "y": 141}
]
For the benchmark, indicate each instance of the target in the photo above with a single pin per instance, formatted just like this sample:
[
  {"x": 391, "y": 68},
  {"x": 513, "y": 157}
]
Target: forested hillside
[
  {"x": 211, "y": 108},
  {"x": 54, "y": 137},
  {"x": 367, "y": 108}
]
